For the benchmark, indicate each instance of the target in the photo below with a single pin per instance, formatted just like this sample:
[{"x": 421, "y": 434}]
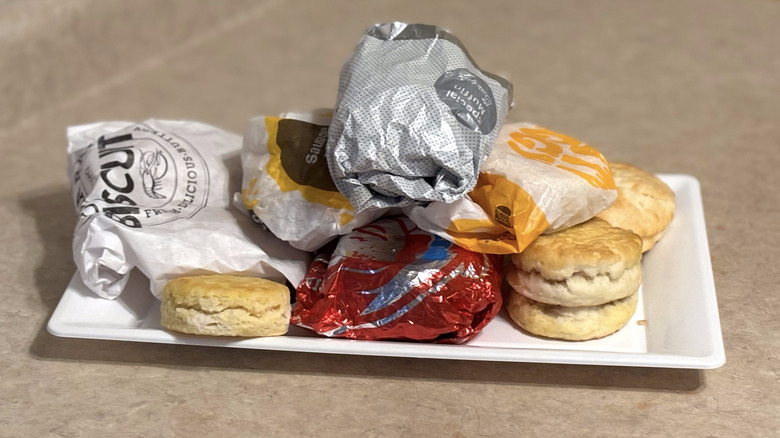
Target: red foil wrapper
[{"x": 392, "y": 280}]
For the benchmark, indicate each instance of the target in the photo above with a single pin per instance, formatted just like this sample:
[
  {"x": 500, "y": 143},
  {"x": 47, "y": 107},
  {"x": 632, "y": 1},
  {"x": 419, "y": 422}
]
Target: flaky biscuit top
[
  {"x": 215, "y": 293},
  {"x": 591, "y": 248},
  {"x": 645, "y": 204}
]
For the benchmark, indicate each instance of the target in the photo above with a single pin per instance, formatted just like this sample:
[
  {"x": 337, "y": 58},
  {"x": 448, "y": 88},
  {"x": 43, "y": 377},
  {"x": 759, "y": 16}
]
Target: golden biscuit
[
  {"x": 226, "y": 305},
  {"x": 571, "y": 323},
  {"x": 645, "y": 204},
  {"x": 591, "y": 247},
  {"x": 587, "y": 264}
]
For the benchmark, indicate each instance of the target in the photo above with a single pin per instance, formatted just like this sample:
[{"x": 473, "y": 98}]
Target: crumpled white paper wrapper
[
  {"x": 534, "y": 181},
  {"x": 286, "y": 183},
  {"x": 157, "y": 196}
]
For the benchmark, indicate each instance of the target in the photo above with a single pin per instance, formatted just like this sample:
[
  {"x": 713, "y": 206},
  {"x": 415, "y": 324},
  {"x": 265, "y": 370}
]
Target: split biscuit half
[
  {"x": 588, "y": 264},
  {"x": 571, "y": 323}
]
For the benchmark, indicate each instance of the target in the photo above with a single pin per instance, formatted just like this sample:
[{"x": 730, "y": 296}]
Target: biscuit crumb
[{"x": 642, "y": 322}]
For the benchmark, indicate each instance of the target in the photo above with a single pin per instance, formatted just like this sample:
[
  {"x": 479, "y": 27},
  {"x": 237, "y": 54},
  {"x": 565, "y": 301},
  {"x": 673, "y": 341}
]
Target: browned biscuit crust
[
  {"x": 571, "y": 323},
  {"x": 591, "y": 248},
  {"x": 226, "y": 305}
]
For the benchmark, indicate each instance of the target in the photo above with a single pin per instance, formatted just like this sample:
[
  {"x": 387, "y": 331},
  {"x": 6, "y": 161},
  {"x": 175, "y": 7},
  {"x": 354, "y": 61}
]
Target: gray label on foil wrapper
[{"x": 469, "y": 98}]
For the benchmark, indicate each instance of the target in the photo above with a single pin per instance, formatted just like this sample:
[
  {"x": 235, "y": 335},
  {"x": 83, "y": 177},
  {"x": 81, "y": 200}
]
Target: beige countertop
[{"x": 688, "y": 87}]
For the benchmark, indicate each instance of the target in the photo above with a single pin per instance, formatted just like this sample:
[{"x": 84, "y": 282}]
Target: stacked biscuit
[{"x": 581, "y": 283}]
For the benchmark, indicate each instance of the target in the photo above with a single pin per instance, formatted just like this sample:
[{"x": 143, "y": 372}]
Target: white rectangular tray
[{"x": 676, "y": 324}]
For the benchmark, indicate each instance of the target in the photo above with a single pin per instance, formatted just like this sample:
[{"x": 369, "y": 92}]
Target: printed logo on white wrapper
[{"x": 140, "y": 177}]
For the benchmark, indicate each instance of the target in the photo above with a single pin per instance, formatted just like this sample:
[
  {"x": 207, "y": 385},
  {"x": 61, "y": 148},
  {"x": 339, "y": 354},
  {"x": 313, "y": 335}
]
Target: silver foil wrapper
[{"x": 415, "y": 118}]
